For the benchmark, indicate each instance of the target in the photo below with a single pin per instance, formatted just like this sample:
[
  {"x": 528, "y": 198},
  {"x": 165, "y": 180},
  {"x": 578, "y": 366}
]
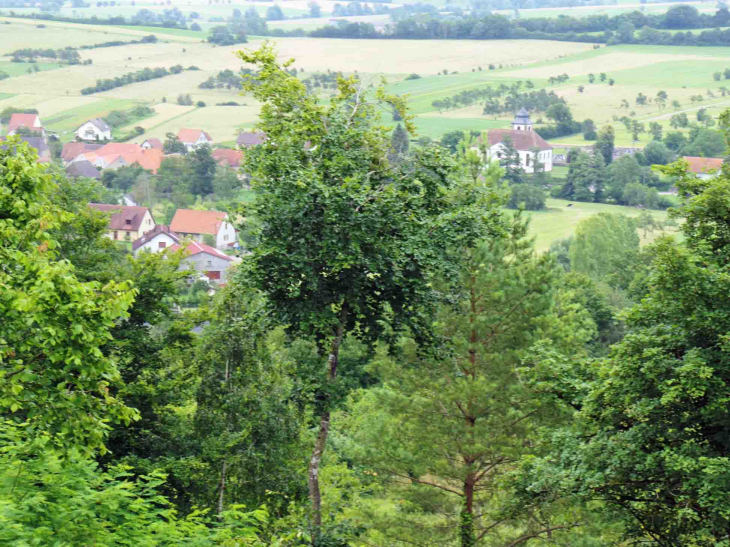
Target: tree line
[{"x": 142, "y": 75}]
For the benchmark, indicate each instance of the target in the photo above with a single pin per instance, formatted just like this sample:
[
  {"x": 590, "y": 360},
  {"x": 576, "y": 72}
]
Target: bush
[
  {"x": 556, "y": 192},
  {"x": 636, "y": 194},
  {"x": 413, "y": 76},
  {"x": 200, "y": 104},
  {"x": 196, "y": 27},
  {"x": 530, "y": 197},
  {"x": 590, "y": 135}
]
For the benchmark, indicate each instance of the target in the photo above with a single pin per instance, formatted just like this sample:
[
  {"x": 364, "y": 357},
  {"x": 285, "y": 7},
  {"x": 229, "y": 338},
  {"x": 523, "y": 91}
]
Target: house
[
  {"x": 249, "y": 140},
  {"x": 28, "y": 121},
  {"x": 156, "y": 240},
  {"x": 82, "y": 169},
  {"x": 94, "y": 130},
  {"x": 228, "y": 157},
  {"x": 152, "y": 143},
  {"x": 530, "y": 146},
  {"x": 193, "y": 138},
  {"x": 197, "y": 224},
  {"x": 205, "y": 259},
  {"x": 126, "y": 223},
  {"x": 704, "y": 168},
  {"x": 72, "y": 150}
]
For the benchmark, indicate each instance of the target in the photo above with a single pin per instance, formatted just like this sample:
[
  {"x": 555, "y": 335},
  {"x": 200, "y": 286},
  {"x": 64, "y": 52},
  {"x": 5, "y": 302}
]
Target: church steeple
[{"x": 522, "y": 121}]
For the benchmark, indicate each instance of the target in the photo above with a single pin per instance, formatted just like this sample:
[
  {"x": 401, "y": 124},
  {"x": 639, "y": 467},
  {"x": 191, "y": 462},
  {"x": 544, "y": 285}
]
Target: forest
[{"x": 391, "y": 363}]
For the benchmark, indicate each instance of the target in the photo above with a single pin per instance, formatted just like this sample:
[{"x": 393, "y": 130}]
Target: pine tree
[
  {"x": 399, "y": 141},
  {"x": 510, "y": 162}
]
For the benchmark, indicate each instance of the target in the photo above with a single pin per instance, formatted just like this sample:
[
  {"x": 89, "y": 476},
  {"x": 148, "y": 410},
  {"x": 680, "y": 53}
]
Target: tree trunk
[
  {"x": 467, "y": 513},
  {"x": 315, "y": 495},
  {"x": 222, "y": 488}
]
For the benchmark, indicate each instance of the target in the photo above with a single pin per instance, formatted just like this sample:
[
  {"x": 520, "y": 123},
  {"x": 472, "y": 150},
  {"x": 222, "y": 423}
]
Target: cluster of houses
[
  {"x": 189, "y": 229},
  {"x": 93, "y": 151}
]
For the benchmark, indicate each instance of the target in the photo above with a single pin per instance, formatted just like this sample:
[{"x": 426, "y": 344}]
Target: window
[
  {"x": 116, "y": 235},
  {"x": 128, "y": 221},
  {"x": 527, "y": 160},
  {"x": 161, "y": 245},
  {"x": 210, "y": 263},
  {"x": 225, "y": 237}
]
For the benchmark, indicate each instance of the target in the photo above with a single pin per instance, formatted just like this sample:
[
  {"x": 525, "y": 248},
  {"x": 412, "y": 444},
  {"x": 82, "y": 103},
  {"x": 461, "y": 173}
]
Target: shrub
[
  {"x": 530, "y": 197},
  {"x": 590, "y": 135},
  {"x": 200, "y": 104},
  {"x": 413, "y": 76}
]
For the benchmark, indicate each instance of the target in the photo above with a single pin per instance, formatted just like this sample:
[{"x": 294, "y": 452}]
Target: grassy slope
[{"x": 560, "y": 221}]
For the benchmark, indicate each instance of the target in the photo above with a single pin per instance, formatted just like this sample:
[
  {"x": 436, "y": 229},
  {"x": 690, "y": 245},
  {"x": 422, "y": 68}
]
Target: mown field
[
  {"x": 56, "y": 90},
  {"x": 560, "y": 221}
]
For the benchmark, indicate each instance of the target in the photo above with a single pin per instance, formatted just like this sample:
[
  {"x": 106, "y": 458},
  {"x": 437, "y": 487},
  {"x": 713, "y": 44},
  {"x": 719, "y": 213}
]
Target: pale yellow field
[
  {"x": 405, "y": 56},
  {"x": 219, "y": 121},
  {"x": 609, "y": 62},
  {"x": 165, "y": 112}
]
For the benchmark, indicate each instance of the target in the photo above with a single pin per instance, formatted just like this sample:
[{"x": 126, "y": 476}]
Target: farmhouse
[
  {"x": 530, "y": 146},
  {"x": 28, "y": 121},
  {"x": 156, "y": 240},
  {"x": 152, "y": 143},
  {"x": 126, "y": 223},
  {"x": 198, "y": 224},
  {"x": 193, "y": 138},
  {"x": 205, "y": 259},
  {"x": 115, "y": 154},
  {"x": 704, "y": 168},
  {"x": 94, "y": 130},
  {"x": 249, "y": 140}
]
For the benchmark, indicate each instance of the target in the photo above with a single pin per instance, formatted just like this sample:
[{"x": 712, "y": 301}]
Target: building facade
[{"x": 530, "y": 146}]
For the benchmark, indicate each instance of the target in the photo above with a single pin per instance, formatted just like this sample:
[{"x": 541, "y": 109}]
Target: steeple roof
[{"x": 522, "y": 117}]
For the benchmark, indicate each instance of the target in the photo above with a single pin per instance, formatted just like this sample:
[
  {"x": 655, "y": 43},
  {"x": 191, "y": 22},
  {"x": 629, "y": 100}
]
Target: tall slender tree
[{"x": 349, "y": 243}]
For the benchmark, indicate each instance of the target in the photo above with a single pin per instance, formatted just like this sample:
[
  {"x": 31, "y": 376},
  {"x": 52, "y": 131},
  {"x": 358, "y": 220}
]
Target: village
[{"x": 208, "y": 237}]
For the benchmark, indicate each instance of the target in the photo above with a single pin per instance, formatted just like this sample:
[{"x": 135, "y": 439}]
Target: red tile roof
[
  {"x": 230, "y": 157},
  {"x": 18, "y": 120},
  {"x": 121, "y": 214},
  {"x": 118, "y": 148},
  {"x": 71, "y": 150},
  {"x": 523, "y": 140},
  {"x": 191, "y": 135},
  {"x": 703, "y": 165},
  {"x": 195, "y": 248},
  {"x": 251, "y": 139},
  {"x": 148, "y": 159},
  {"x": 188, "y": 221}
]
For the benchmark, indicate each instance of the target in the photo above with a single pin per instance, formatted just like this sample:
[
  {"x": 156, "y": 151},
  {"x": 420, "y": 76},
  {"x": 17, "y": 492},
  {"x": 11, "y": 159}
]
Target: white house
[
  {"x": 530, "y": 146},
  {"x": 94, "y": 130},
  {"x": 198, "y": 224},
  {"x": 193, "y": 138},
  {"x": 156, "y": 240}
]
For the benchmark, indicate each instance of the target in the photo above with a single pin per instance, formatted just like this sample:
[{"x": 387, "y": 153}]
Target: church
[{"x": 529, "y": 144}]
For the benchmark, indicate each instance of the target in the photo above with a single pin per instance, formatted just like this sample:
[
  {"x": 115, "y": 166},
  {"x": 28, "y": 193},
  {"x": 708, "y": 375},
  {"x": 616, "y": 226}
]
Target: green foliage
[
  {"x": 173, "y": 145},
  {"x": 443, "y": 432},
  {"x": 54, "y": 375},
  {"x": 648, "y": 440},
  {"x": 586, "y": 178},
  {"x": 49, "y": 500},
  {"x": 606, "y": 248},
  {"x": 531, "y": 198},
  {"x": 349, "y": 243},
  {"x": 514, "y": 173}
]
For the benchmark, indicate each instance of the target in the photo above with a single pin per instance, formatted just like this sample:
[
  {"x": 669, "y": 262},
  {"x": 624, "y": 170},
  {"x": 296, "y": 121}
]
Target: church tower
[{"x": 522, "y": 121}]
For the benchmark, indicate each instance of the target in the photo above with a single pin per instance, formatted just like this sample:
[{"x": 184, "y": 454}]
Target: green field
[{"x": 560, "y": 221}]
